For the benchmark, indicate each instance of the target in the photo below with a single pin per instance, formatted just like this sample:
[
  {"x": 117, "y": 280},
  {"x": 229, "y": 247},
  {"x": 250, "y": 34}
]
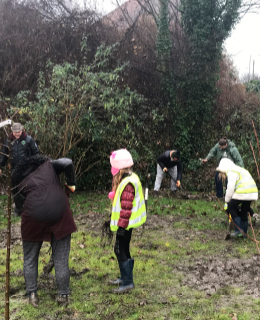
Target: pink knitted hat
[{"x": 120, "y": 159}]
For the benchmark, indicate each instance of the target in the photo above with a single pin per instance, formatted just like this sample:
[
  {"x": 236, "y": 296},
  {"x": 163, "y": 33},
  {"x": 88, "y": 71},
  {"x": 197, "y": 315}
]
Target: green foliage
[
  {"x": 163, "y": 44},
  {"x": 83, "y": 113},
  {"x": 253, "y": 86},
  {"x": 189, "y": 93},
  {"x": 243, "y": 133},
  {"x": 206, "y": 24}
]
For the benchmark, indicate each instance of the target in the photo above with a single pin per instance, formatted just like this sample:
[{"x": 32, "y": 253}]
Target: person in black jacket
[
  {"x": 169, "y": 161},
  {"x": 22, "y": 147}
]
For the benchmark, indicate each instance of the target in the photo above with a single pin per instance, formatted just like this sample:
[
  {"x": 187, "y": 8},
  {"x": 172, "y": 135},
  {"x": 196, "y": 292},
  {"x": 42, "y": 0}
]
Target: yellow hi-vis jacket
[
  {"x": 138, "y": 216},
  {"x": 246, "y": 183},
  {"x": 241, "y": 185}
]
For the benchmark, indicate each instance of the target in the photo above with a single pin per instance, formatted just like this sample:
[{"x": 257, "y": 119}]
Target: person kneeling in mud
[
  {"x": 128, "y": 212},
  {"x": 241, "y": 190},
  {"x": 46, "y": 216}
]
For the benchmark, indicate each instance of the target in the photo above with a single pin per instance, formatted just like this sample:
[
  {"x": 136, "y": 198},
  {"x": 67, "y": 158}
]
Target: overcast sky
[{"x": 243, "y": 44}]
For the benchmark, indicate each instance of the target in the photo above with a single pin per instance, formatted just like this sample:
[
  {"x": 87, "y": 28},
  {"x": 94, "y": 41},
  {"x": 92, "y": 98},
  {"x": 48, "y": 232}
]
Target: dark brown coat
[{"x": 46, "y": 207}]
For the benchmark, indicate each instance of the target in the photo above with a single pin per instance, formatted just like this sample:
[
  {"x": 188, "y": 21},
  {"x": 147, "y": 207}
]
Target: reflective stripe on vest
[
  {"x": 246, "y": 183},
  {"x": 138, "y": 215}
]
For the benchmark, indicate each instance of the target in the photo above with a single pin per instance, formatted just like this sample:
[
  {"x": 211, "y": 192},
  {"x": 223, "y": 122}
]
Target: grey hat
[{"x": 17, "y": 127}]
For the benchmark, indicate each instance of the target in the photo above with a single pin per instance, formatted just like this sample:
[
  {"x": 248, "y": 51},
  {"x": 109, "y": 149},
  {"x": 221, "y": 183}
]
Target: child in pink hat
[{"x": 128, "y": 212}]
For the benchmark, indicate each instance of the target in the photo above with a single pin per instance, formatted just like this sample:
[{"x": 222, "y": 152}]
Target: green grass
[
  {"x": 3, "y": 213},
  {"x": 187, "y": 231}
]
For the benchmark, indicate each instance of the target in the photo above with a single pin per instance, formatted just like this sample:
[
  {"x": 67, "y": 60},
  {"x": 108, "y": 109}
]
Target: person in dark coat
[
  {"x": 46, "y": 216},
  {"x": 169, "y": 161},
  {"x": 23, "y": 146}
]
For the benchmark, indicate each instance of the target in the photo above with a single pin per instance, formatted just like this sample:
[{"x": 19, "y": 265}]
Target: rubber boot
[
  {"x": 33, "y": 299},
  {"x": 244, "y": 227},
  {"x": 236, "y": 229},
  {"x": 126, "y": 269},
  {"x": 237, "y": 232},
  {"x": 118, "y": 281},
  {"x": 133, "y": 262}
]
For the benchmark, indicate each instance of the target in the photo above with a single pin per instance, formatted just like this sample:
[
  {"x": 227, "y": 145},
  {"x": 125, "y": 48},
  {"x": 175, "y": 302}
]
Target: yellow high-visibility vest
[
  {"x": 138, "y": 215},
  {"x": 246, "y": 183}
]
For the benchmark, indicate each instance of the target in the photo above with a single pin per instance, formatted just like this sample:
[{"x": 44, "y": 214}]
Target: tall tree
[
  {"x": 163, "y": 38},
  {"x": 206, "y": 23}
]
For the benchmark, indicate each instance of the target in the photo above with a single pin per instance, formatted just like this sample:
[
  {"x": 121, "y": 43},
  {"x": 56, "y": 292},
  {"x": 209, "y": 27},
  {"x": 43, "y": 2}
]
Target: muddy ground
[
  {"x": 214, "y": 275},
  {"x": 209, "y": 274}
]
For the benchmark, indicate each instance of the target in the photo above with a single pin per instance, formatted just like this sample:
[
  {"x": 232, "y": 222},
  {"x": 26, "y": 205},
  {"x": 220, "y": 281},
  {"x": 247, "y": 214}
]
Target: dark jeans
[
  {"x": 121, "y": 249},
  {"x": 219, "y": 186},
  {"x": 233, "y": 208}
]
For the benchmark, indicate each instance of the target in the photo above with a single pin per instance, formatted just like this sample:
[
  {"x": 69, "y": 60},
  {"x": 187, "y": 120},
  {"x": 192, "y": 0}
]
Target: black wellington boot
[
  {"x": 126, "y": 269},
  {"x": 133, "y": 262},
  {"x": 118, "y": 281},
  {"x": 237, "y": 232}
]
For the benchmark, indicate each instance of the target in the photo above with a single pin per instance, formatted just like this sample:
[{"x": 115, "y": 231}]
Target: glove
[
  {"x": 165, "y": 169},
  {"x": 225, "y": 206},
  {"x": 178, "y": 183},
  {"x": 69, "y": 189},
  {"x": 120, "y": 232},
  {"x": 256, "y": 216},
  {"x": 72, "y": 188}
]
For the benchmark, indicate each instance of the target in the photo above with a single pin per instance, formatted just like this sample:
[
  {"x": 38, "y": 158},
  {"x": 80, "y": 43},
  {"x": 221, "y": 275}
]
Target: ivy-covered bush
[{"x": 83, "y": 113}]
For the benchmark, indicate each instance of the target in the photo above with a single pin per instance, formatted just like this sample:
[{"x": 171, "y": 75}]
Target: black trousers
[
  {"x": 122, "y": 245},
  {"x": 233, "y": 208}
]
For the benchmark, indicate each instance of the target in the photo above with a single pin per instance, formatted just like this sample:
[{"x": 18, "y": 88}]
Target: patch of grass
[
  {"x": 178, "y": 232},
  {"x": 228, "y": 291},
  {"x": 3, "y": 212},
  {"x": 93, "y": 203}
]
